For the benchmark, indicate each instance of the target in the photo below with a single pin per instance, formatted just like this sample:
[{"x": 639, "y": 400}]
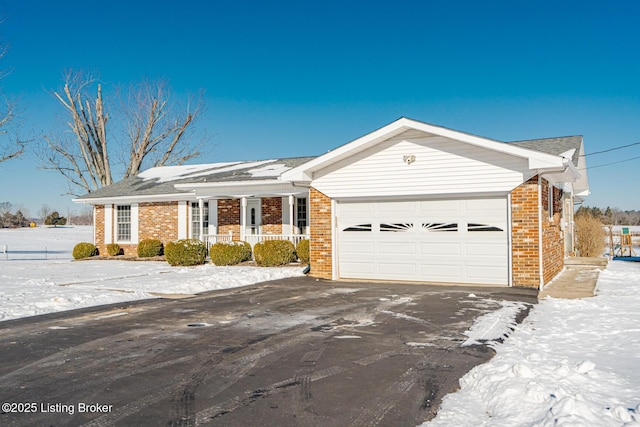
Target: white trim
[
  {"x": 335, "y": 272},
  {"x": 108, "y": 224},
  {"x": 540, "y": 246},
  {"x": 183, "y": 215},
  {"x": 134, "y": 223},
  {"x": 213, "y": 216},
  {"x": 509, "y": 242},
  {"x": 126, "y": 200}
]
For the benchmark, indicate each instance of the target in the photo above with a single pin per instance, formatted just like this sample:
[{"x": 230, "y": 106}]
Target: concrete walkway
[{"x": 578, "y": 280}]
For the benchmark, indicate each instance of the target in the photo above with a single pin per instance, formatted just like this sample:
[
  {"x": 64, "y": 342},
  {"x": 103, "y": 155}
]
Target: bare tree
[
  {"x": 44, "y": 211},
  {"x": 155, "y": 133},
  {"x": 10, "y": 145}
]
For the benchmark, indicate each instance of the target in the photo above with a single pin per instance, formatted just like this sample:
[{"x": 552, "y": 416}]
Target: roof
[
  {"x": 555, "y": 146},
  {"x": 162, "y": 180},
  {"x": 181, "y": 181}
]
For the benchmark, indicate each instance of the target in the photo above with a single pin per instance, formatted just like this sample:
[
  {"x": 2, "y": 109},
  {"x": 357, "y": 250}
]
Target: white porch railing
[
  {"x": 252, "y": 239},
  {"x": 211, "y": 239}
]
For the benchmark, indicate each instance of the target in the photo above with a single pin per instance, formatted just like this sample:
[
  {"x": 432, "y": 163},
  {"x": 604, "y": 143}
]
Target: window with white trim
[
  {"x": 301, "y": 212},
  {"x": 123, "y": 223},
  {"x": 195, "y": 220}
]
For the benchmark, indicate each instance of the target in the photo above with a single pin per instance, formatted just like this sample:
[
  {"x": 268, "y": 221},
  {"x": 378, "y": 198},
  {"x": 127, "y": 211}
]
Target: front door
[{"x": 253, "y": 217}]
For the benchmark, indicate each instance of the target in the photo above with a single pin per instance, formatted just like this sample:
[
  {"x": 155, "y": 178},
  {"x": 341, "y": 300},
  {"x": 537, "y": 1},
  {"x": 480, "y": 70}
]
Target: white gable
[{"x": 414, "y": 163}]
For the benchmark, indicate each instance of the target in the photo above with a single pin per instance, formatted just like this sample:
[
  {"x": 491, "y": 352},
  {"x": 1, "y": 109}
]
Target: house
[{"x": 410, "y": 201}]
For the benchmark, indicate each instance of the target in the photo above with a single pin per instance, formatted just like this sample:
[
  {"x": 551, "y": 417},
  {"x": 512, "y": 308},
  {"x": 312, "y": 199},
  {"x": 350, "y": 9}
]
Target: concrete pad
[{"x": 577, "y": 280}]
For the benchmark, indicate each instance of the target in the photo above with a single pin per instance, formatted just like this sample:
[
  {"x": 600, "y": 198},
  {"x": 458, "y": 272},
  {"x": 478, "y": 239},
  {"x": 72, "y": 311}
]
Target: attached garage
[
  {"x": 417, "y": 202},
  {"x": 448, "y": 241}
]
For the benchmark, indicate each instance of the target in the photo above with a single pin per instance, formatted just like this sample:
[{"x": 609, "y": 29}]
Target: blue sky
[{"x": 293, "y": 78}]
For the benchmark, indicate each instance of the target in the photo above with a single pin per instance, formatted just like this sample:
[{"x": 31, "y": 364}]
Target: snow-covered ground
[
  {"x": 570, "y": 363},
  {"x": 38, "y": 276}
]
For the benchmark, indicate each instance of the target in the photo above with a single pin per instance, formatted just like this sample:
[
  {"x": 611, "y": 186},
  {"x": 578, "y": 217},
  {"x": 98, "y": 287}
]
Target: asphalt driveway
[{"x": 293, "y": 352}]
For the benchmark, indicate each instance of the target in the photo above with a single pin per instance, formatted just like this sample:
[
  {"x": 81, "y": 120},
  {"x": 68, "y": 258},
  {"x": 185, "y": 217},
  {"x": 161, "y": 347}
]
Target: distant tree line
[
  {"x": 611, "y": 216},
  {"x": 17, "y": 216}
]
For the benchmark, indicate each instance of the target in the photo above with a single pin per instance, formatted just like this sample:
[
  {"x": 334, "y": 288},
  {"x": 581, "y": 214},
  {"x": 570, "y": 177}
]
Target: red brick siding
[
  {"x": 229, "y": 217},
  {"x": 321, "y": 245},
  {"x": 524, "y": 234},
  {"x": 271, "y": 215},
  {"x": 158, "y": 220},
  {"x": 99, "y": 229},
  {"x": 552, "y": 234}
]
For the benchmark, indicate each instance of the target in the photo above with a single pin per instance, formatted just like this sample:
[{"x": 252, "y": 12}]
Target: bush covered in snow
[
  {"x": 149, "y": 248},
  {"x": 114, "y": 249},
  {"x": 185, "y": 252},
  {"x": 230, "y": 253},
  {"x": 84, "y": 250},
  {"x": 274, "y": 252},
  {"x": 302, "y": 251}
]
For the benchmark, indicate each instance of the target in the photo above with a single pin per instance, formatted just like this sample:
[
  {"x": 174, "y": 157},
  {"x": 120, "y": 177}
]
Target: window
[
  {"x": 359, "y": 227},
  {"x": 301, "y": 212},
  {"x": 195, "y": 220},
  {"x": 123, "y": 223},
  {"x": 550, "y": 200}
]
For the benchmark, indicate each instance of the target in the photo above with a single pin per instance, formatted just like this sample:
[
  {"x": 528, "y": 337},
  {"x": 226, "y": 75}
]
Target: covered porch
[{"x": 248, "y": 211}]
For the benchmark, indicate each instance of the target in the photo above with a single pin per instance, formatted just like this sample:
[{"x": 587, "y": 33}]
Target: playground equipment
[{"x": 621, "y": 245}]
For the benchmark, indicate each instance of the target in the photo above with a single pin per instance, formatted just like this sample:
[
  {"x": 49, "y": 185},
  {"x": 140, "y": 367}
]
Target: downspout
[{"x": 540, "y": 260}]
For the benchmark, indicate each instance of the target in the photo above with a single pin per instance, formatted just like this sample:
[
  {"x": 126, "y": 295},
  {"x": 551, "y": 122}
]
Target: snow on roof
[{"x": 174, "y": 173}]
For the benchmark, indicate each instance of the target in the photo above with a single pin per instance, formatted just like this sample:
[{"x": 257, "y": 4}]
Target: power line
[
  {"x": 611, "y": 149},
  {"x": 612, "y": 163}
]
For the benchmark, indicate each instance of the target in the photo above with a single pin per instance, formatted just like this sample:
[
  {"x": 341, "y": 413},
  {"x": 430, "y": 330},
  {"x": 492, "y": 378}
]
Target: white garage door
[{"x": 452, "y": 241}]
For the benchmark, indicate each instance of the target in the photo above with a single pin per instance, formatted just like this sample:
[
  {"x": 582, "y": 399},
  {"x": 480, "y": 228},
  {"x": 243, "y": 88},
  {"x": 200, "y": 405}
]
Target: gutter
[{"x": 540, "y": 260}]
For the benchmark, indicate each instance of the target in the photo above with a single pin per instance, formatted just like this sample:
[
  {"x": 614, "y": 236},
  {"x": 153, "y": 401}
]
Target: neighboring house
[{"x": 410, "y": 201}]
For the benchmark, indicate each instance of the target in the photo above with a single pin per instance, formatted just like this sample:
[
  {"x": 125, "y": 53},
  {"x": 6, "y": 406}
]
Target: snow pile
[
  {"x": 32, "y": 285},
  {"x": 571, "y": 362}
]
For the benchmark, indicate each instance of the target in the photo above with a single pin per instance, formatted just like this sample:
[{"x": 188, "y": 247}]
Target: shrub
[
  {"x": 230, "y": 253},
  {"x": 84, "y": 250},
  {"x": 274, "y": 252},
  {"x": 590, "y": 235},
  {"x": 114, "y": 249},
  {"x": 302, "y": 250},
  {"x": 149, "y": 248},
  {"x": 185, "y": 252}
]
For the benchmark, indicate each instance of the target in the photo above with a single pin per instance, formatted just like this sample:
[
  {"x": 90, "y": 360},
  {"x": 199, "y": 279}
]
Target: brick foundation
[{"x": 321, "y": 245}]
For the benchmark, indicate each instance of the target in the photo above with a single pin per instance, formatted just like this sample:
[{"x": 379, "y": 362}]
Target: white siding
[
  {"x": 108, "y": 224},
  {"x": 441, "y": 167},
  {"x": 134, "y": 223},
  {"x": 183, "y": 219}
]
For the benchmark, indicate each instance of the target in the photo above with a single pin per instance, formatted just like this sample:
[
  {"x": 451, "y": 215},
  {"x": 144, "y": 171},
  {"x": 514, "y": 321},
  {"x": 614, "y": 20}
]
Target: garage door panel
[
  {"x": 358, "y": 248},
  {"x": 355, "y": 269},
  {"x": 456, "y": 241},
  {"x": 440, "y": 272},
  {"x": 450, "y": 249},
  {"x": 398, "y": 269},
  {"x": 489, "y": 249},
  {"x": 407, "y": 248}
]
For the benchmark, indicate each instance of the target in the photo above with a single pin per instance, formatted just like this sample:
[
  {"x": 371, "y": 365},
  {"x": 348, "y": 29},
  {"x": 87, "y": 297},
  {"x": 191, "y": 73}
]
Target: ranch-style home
[{"x": 407, "y": 202}]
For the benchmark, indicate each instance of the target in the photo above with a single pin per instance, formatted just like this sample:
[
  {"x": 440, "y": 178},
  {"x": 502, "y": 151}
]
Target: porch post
[
  {"x": 291, "y": 212},
  {"x": 243, "y": 217},
  {"x": 201, "y": 209}
]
